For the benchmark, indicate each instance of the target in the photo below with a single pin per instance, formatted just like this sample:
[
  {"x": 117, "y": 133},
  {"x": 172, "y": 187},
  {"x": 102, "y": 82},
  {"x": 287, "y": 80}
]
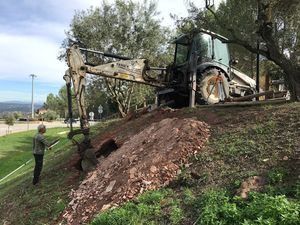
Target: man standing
[{"x": 39, "y": 145}]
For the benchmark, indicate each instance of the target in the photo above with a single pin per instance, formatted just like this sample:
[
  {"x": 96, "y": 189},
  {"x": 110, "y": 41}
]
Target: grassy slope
[
  {"x": 20, "y": 202},
  {"x": 244, "y": 142}
]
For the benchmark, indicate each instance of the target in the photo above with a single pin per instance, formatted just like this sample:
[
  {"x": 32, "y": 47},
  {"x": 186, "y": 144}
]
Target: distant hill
[{"x": 17, "y": 106}]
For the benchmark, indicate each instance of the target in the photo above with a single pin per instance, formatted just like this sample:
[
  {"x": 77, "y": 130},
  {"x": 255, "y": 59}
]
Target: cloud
[
  {"x": 41, "y": 10},
  {"x": 22, "y": 55},
  {"x": 46, "y": 29},
  {"x": 31, "y": 33}
]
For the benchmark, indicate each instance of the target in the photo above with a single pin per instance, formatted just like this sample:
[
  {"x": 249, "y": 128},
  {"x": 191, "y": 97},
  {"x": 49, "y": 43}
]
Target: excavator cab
[{"x": 209, "y": 47}]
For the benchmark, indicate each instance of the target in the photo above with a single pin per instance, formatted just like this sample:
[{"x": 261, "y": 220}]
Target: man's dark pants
[{"x": 38, "y": 168}]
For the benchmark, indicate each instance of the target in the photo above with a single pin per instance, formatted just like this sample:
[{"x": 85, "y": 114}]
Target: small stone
[
  {"x": 132, "y": 172},
  {"x": 114, "y": 206},
  {"x": 74, "y": 207},
  {"x": 285, "y": 158},
  {"x": 110, "y": 186},
  {"x": 146, "y": 182},
  {"x": 130, "y": 196},
  {"x": 153, "y": 169},
  {"x": 188, "y": 165},
  {"x": 166, "y": 183},
  {"x": 84, "y": 182},
  {"x": 105, "y": 207},
  {"x": 72, "y": 202}
]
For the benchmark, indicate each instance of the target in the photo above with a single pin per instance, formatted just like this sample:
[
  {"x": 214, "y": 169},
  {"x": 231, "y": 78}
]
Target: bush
[
  {"x": 9, "y": 119},
  {"x": 276, "y": 175},
  {"x": 50, "y": 115},
  {"x": 18, "y": 115},
  {"x": 216, "y": 207},
  {"x": 153, "y": 207}
]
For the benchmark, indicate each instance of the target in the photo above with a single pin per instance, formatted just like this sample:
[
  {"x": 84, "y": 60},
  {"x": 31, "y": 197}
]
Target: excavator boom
[{"x": 133, "y": 70}]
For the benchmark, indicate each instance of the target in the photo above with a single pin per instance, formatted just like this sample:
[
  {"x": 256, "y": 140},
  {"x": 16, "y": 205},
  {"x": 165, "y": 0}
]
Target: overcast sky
[{"x": 31, "y": 32}]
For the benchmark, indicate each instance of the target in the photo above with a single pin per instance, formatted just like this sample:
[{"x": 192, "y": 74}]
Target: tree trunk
[
  {"x": 293, "y": 80},
  {"x": 121, "y": 97},
  {"x": 291, "y": 70},
  {"x": 267, "y": 81},
  {"x": 291, "y": 74},
  {"x": 121, "y": 110},
  {"x": 274, "y": 53}
]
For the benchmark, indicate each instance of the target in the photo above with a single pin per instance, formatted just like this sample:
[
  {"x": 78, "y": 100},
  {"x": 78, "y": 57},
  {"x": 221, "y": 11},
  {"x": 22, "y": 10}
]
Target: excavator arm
[{"x": 133, "y": 70}]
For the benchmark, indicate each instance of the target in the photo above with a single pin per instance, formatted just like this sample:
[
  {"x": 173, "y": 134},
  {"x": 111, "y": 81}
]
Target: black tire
[{"x": 207, "y": 86}]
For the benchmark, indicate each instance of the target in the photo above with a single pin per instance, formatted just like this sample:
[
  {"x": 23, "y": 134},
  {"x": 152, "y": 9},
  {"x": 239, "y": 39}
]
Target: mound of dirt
[{"x": 147, "y": 161}]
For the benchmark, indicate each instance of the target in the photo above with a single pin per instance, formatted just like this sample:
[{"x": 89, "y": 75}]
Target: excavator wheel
[{"x": 212, "y": 87}]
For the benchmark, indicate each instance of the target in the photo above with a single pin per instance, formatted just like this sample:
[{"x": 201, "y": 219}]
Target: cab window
[
  {"x": 221, "y": 52},
  {"x": 181, "y": 54},
  {"x": 203, "y": 47}
]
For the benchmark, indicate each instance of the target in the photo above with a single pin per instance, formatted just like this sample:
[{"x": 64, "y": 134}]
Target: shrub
[
  {"x": 276, "y": 175},
  {"x": 153, "y": 207},
  {"x": 9, "y": 119},
  {"x": 18, "y": 115},
  {"x": 216, "y": 207},
  {"x": 50, "y": 115}
]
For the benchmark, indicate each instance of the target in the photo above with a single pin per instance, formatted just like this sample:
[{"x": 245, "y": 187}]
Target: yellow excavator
[{"x": 202, "y": 73}]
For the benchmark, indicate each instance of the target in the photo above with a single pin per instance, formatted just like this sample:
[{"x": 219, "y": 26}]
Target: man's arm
[{"x": 42, "y": 139}]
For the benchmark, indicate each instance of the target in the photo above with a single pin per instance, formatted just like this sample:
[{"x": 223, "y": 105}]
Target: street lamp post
[{"x": 32, "y": 103}]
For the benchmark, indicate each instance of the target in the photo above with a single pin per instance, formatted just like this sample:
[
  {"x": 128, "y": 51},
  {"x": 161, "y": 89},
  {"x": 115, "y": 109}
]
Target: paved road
[{"x": 23, "y": 126}]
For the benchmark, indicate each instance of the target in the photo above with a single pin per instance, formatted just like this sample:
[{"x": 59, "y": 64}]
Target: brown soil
[{"x": 148, "y": 160}]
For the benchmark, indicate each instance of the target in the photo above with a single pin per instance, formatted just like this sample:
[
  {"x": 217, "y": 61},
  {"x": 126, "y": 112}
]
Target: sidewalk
[{"x": 23, "y": 126}]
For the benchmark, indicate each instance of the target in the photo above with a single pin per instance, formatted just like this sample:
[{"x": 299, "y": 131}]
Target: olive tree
[{"x": 125, "y": 28}]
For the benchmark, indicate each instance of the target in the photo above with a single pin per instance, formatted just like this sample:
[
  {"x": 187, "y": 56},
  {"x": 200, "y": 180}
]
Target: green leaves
[
  {"x": 152, "y": 207},
  {"x": 9, "y": 119},
  {"x": 58, "y": 103},
  {"x": 216, "y": 207},
  {"x": 125, "y": 28},
  {"x": 50, "y": 115},
  {"x": 276, "y": 175}
]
